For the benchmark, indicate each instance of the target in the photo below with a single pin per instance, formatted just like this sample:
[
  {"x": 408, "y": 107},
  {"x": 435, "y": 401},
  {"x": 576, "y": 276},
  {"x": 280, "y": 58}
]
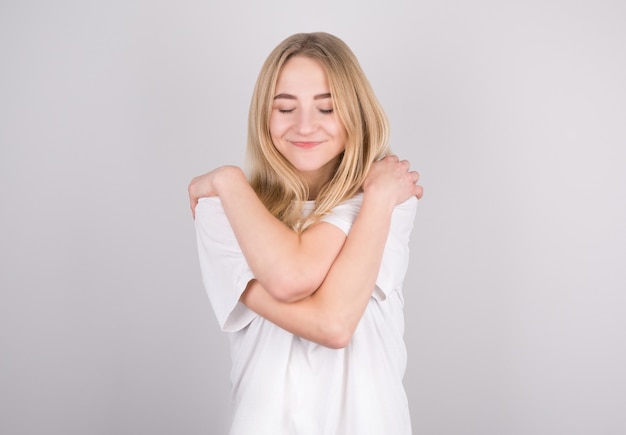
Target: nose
[{"x": 306, "y": 122}]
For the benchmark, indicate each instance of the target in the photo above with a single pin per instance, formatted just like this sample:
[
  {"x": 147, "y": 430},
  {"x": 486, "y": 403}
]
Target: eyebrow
[{"x": 293, "y": 97}]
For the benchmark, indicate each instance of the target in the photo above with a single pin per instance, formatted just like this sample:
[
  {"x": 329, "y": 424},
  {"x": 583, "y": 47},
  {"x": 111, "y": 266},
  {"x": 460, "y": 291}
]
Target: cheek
[
  {"x": 278, "y": 125},
  {"x": 341, "y": 134},
  {"x": 337, "y": 129}
]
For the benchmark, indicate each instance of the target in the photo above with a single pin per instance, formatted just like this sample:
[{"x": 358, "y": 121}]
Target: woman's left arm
[{"x": 330, "y": 315}]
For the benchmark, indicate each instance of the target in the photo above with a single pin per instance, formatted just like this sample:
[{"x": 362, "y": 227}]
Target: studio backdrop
[{"x": 513, "y": 112}]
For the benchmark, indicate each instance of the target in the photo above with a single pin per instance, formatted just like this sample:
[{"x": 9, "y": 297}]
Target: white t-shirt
[{"x": 285, "y": 385}]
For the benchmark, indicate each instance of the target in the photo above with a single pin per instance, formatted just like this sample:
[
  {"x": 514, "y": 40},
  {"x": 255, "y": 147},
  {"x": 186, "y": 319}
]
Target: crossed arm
[
  {"x": 315, "y": 284},
  {"x": 290, "y": 266}
]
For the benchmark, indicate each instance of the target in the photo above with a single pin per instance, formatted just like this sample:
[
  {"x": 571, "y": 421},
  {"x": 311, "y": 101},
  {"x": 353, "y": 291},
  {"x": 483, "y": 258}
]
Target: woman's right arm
[{"x": 330, "y": 315}]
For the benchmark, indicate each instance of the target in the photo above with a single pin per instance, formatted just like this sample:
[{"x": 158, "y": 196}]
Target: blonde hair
[{"x": 277, "y": 183}]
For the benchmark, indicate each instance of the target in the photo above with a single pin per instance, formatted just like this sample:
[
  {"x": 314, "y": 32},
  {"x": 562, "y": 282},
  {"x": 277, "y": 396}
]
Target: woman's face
[{"x": 303, "y": 125}]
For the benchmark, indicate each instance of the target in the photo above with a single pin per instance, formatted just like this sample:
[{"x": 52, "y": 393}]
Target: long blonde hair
[{"x": 277, "y": 183}]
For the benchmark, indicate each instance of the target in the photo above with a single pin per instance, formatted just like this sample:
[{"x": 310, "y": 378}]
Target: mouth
[{"x": 306, "y": 144}]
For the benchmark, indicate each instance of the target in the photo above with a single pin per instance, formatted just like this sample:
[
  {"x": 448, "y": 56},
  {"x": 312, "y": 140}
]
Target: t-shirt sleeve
[
  {"x": 395, "y": 259},
  {"x": 343, "y": 215},
  {"x": 225, "y": 272}
]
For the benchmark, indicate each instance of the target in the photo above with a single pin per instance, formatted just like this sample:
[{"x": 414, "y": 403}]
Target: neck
[{"x": 315, "y": 180}]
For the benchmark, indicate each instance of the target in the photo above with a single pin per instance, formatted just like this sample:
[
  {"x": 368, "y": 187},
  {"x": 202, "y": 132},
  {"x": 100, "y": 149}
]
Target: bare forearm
[
  {"x": 252, "y": 223},
  {"x": 331, "y": 314},
  {"x": 285, "y": 264},
  {"x": 347, "y": 289}
]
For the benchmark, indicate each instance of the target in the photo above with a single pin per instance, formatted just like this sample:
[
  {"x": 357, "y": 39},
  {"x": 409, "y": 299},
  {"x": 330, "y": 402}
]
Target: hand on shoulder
[
  {"x": 209, "y": 184},
  {"x": 392, "y": 178}
]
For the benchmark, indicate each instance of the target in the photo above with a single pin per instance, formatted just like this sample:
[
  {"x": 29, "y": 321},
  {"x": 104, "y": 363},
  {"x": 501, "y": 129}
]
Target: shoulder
[
  {"x": 344, "y": 213},
  {"x": 209, "y": 206},
  {"x": 210, "y": 216},
  {"x": 356, "y": 201},
  {"x": 353, "y": 205},
  {"x": 407, "y": 207},
  {"x": 403, "y": 219}
]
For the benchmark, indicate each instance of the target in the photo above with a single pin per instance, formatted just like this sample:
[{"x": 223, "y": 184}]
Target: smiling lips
[{"x": 306, "y": 144}]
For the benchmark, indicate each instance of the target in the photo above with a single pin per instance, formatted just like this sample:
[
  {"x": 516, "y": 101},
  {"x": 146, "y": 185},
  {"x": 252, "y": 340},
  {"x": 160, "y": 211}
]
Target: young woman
[{"x": 304, "y": 259}]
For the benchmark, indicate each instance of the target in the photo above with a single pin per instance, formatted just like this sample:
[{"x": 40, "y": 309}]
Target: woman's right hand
[
  {"x": 392, "y": 178},
  {"x": 207, "y": 184}
]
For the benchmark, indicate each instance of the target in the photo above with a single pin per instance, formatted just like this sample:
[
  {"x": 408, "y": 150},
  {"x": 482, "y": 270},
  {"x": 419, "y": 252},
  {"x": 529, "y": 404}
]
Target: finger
[
  {"x": 192, "y": 204},
  {"x": 419, "y": 191},
  {"x": 191, "y": 195},
  {"x": 415, "y": 176}
]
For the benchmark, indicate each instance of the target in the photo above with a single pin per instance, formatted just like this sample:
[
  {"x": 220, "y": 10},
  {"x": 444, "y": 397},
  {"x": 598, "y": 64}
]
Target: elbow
[
  {"x": 336, "y": 343},
  {"x": 336, "y": 335},
  {"x": 289, "y": 295},
  {"x": 289, "y": 289}
]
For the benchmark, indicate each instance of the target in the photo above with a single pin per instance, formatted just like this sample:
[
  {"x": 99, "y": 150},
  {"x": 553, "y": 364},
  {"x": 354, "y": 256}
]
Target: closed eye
[
  {"x": 286, "y": 110},
  {"x": 327, "y": 111}
]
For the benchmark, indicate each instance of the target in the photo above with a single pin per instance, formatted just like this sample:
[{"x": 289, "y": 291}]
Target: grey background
[{"x": 512, "y": 111}]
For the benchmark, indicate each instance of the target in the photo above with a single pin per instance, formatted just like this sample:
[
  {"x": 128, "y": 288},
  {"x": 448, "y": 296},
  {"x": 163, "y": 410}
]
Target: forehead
[{"x": 302, "y": 74}]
